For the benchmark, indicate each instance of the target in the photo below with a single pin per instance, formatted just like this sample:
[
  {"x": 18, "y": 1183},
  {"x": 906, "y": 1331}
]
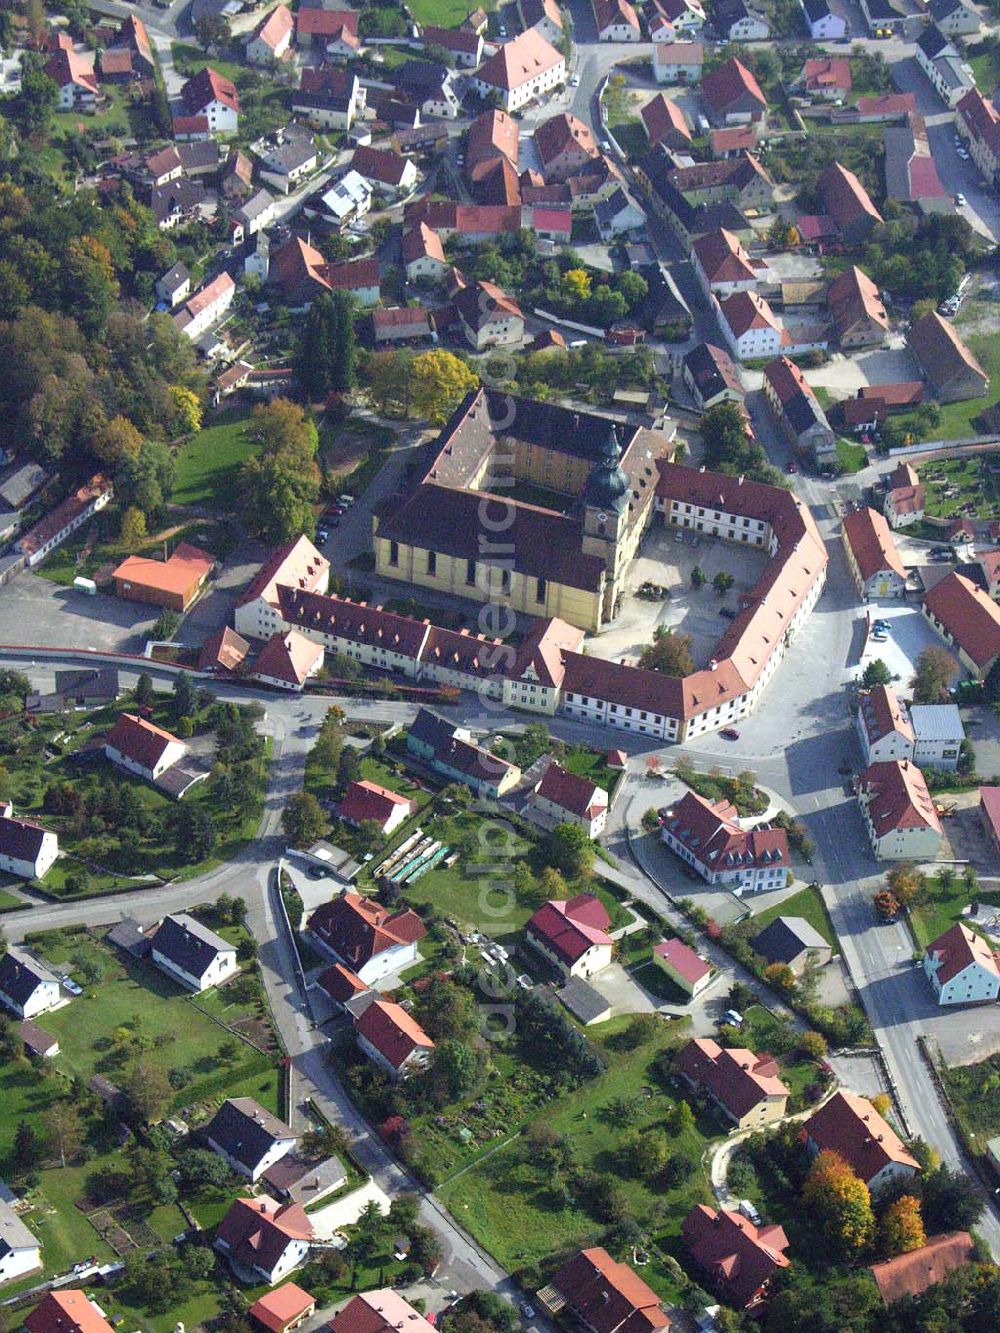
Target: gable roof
[
  {"x": 380, "y": 164},
  {"x": 327, "y": 22},
  {"x": 896, "y": 796},
  {"x": 289, "y": 656},
  {"x": 737, "y": 1078},
  {"x": 67, "y": 1311},
  {"x": 357, "y": 622},
  {"x": 297, "y": 564},
  {"x": 208, "y": 86},
  {"x": 519, "y": 61},
  {"x": 245, "y": 1131},
  {"x": 578, "y": 795},
  {"x": 65, "y": 67},
  {"x": 723, "y": 257},
  {"x": 683, "y": 959},
  {"x": 910, "y": 1274},
  {"x": 744, "y": 311},
  {"x": 382, "y": 1311},
  {"x": 139, "y": 740},
  {"x": 614, "y": 13},
  {"x": 939, "y": 349},
  {"x": 970, "y": 616},
  {"x": 785, "y": 938},
  {"x": 713, "y": 371},
  {"x": 192, "y": 946},
  {"x": 225, "y": 649},
  {"x": 187, "y": 565},
  {"x": 729, "y": 83},
  {"x": 827, "y": 72},
  {"x": 20, "y": 839},
  {"x": 341, "y": 984},
  {"x": 853, "y": 296},
  {"x": 844, "y": 197},
  {"x": 570, "y": 928},
  {"x": 21, "y": 975},
  {"x": 559, "y": 133},
  {"x": 850, "y": 1126},
  {"x": 258, "y": 1231},
  {"x": 709, "y": 830},
  {"x": 367, "y": 800},
  {"x": 357, "y": 929},
  {"x": 277, "y": 1309},
  {"x": 608, "y": 1296},
  {"x": 870, "y": 539},
  {"x": 738, "y": 1256},
  {"x": 959, "y": 948},
  {"x": 393, "y": 1032},
  {"x": 881, "y": 715},
  {"x": 275, "y": 27},
  {"x": 492, "y": 134}
]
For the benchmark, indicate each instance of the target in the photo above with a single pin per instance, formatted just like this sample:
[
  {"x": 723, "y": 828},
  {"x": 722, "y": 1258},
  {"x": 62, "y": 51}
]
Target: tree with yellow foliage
[
  {"x": 115, "y": 440},
  {"x": 133, "y": 528},
  {"x": 440, "y": 382},
  {"x": 577, "y": 283},
  {"x": 841, "y": 1204},
  {"x": 187, "y": 409},
  {"x": 901, "y": 1228}
]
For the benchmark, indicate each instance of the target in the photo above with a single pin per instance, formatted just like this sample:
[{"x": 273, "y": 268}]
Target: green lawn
[
  {"x": 68, "y": 561},
  {"x": 945, "y": 901},
  {"x": 509, "y": 1207},
  {"x": 444, "y": 13},
  {"x": 8, "y": 901},
  {"x": 973, "y": 1090},
  {"x": 968, "y": 475},
  {"x": 193, "y": 56},
  {"x": 587, "y": 763},
  {"x": 762, "y": 1031},
  {"x": 808, "y": 904},
  {"x": 851, "y": 457},
  {"x": 207, "y": 463}
]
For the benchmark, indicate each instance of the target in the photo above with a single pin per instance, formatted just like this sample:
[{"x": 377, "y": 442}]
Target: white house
[
  {"x": 522, "y": 71},
  {"x": 573, "y": 935},
  {"x": 937, "y": 735},
  {"x": 883, "y": 726},
  {"x": 26, "y": 849},
  {"x": 962, "y": 967},
  {"x": 297, "y": 564},
  {"x": 272, "y": 37},
  {"x": 199, "y": 312},
  {"x": 544, "y": 16},
  {"x": 850, "y": 1126},
  {"x": 706, "y": 836},
  {"x": 364, "y": 801},
  {"x": 191, "y": 953},
  {"x": 349, "y": 199},
  {"x": 616, "y": 21},
  {"x": 749, "y": 326},
  {"x": 899, "y": 812},
  {"x": 678, "y": 62},
  {"x": 825, "y": 23},
  {"x": 142, "y": 748},
  {"x": 288, "y": 660},
  {"x": 211, "y": 95},
  {"x": 52, "y": 530},
  {"x": 366, "y": 937},
  {"x": 175, "y": 285},
  {"x": 263, "y": 1240},
  {"x": 247, "y": 1137},
  {"x": 26, "y": 987},
  {"x": 392, "y": 1039},
  {"x": 561, "y": 797},
  {"x": 20, "y": 1251}
]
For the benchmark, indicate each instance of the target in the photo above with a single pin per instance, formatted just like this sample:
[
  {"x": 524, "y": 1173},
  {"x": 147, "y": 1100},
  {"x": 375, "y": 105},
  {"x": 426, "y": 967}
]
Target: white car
[
  {"x": 960, "y": 200},
  {"x": 575, "y": 81},
  {"x": 71, "y": 986}
]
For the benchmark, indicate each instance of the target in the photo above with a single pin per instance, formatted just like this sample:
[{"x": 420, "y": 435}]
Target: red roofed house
[
  {"x": 857, "y": 310},
  {"x": 172, "y": 583},
  {"x": 382, "y": 1311},
  {"x": 738, "y": 1258},
  {"x": 565, "y": 147},
  {"x": 665, "y": 122},
  {"x": 962, "y": 967},
  {"x": 898, "y": 811},
  {"x": 272, "y": 37},
  {"x": 707, "y": 836},
  {"x": 733, "y": 95},
  {"x": 342, "y": 985},
  {"x": 872, "y": 556},
  {"x": 946, "y": 361},
  {"x": 390, "y": 1037},
  {"x": 744, "y": 1086},
  {"x": 465, "y": 47},
  {"x": 573, "y": 934},
  {"x": 906, "y": 497},
  {"x": 385, "y": 170},
  {"x": 74, "y": 76},
  {"x": 604, "y": 1295},
  {"x": 137, "y": 745},
  {"x": 366, "y": 937},
  {"x": 264, "y": 1240},
  {"x": 67, "y": 1311},
  {"x": 284, "y": 1309},
  {"x": 912, "y": 1273},
  {"x": 616, "y": 21},
  {"x": 678, "y": 62},
  {"x": 851, "y": 1127},
  {"x": 50, "y": 531},
  {"x": 989, "y": 814},
  {"x": 521, "y": 71},
  {"x": 488, "y": 317},
  {"x": 211, "y": 95},
  {"x": 423, "y": 254},
  {"x": 683, "y": 966},
  {"x": 332, "y": 30},
  {"x": 209, "y": 303},
  {"x": 883, "y": 727},
  {"x": 223, "y": 651},
  {"x": 288, "y": 660},
  {"x": 847, "y": 201},
  {"x": 749, "y": 326},
  {"x": 365, "y": 801},
  {"x": 295, "y": 565},
  {"x": 968, "y": 620},
  {"x": 826, "y": 77},
  {"x": 562, "y": 797},
  {"x": 885, "y": 106},
  {"x": 723, "y": 266},
  {"x": 978, "y": 122},
  {"x": 302, "y": 273}
]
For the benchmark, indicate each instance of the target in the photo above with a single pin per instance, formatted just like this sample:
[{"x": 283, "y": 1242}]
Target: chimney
[
  {"x": 713, "y": 665},
  {"x": 740, "y": 479}
]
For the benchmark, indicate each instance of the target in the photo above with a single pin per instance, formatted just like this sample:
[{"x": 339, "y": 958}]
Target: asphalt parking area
[
  {"x": 909, "y": 635},
  {"x": 37, "y": 612}
]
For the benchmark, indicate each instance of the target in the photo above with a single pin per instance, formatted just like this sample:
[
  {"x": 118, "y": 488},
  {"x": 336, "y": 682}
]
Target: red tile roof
[
  {"x": 570, "y": 928},
  {"x": 274, "y": 28},
  {"x": 379, "y": 164},
  {"x": 870, "y": 538},
  {"x": 851, "y": 1127},
  {"x": 358, "y": 929},
  {"x": 886, "y": 104},
  {"x": 844, "y": 197},
  {"x": 63, "y": 514},
  {"x": 139, "y": 740},
  {"x": 422, "y": 241},
  {"x": 187, "y": 567},
  {"x": 682, "y": 959},
  {"x": 289, "y": 656},
  {"x": 297, "y": 564},
  {"x": 573, "y": 793},
  {"x": 393, "y": 1032},
  {"x": 327, "y": 22},
  {"x": 378, "y": 1312},
  {"x": 69, "y": 67},
  {"x": 744, "y": 311},
  {"x": 614, "y": 13},
  {"x": 490, "y": 135},
  {"x": 208, "y": 86},
  {"x": 728, "y": 84},
  {"x": 711, "y": 833},
  {"x": 607, "y": 1296},
  {"x": 828, "y": 72},
  {"x": 969, "y": 615},
  {"x": 258, "y": 1231},
  {"x": 519, "y": 61},
  {"x": 66, "y": 1311},
  {"x": 559, "y": 133},
  {"x": 723, "y": 257},
  {"x": 341, "y": 984},
  {"x": 787, "y": 380},
  {"x": 738, "y": 1257},
  {"x": 853, "y": 296},
  {"x": 939, "y": 349},
  {"x": 959, "y": 948},
  {"x": 277, "y": 1309},
  {"x": 735, "y": 139},
  {"x": 225, "y": 648},
  {"x": 738, "y": 1079},
  {"x": 881, "y": 715},
  {"x": 910, "y": 1274},
  {"x": 897, "y": 797},
  {"x": 982, "y": 118},
  {"x": 367, "y": 800}
]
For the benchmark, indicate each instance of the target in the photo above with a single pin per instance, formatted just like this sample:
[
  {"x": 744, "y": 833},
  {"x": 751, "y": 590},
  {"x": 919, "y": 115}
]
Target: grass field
[
  {"x": 808, "y": 904},
  {"x": 974, "y": 1093},
  {"x": 851, "y": 457},
  {"x": 964, "y": 475},
  {"x": 945, "y": 901},
  {"x": 207, "y": 463},
  {"x": 7, "y": 901},
  {"x": 68, "y": 561},
  {"x": 186, "y": 55},
  {"x": 509, "y": 1206},
  {"x": 444, "y": 13}
]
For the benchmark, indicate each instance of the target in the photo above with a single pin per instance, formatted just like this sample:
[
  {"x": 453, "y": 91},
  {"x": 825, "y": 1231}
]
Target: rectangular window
[
  {"x": 394, "y": 553},
  {"x": 539, "y": 590},
  {"x": 505, "y": 580},
  {"x": 432, "y": 562},
  {"x": 470, "y": 572}
]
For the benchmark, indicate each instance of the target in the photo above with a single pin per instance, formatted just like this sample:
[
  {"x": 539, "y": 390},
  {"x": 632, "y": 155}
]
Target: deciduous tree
[
  {"x": 936, "y": 669},
  {"x": 901, "y": 1228},
  {"x": 133, "y": 528},
  {"x": 303, "y": 819},
  {"x": 876, "y": 673},
  {"x": 841, "y": 1204},
  {"x": 669, "y": 653},
  {"x": 440, "y": 382},
  {"x": 569, "y": 850}
]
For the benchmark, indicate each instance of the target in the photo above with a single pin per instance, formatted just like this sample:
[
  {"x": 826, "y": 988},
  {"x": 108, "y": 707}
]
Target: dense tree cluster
[{"x": 729, "y": 448}]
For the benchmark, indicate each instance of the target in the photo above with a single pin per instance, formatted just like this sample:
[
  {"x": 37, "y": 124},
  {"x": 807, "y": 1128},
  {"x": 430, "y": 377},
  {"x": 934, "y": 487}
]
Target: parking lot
[
  {"x": 909, "y": 635},
  {"x": 666, "y": 560}
]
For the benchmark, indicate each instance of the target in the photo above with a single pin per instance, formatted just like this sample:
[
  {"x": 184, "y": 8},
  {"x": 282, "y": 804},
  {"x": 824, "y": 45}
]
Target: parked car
[
  {"x": 730, "y": 734},
  {"x": 960, "y": 200},
  {"x": 71, "y": 985},
  {"x": 728, "y": 612}
]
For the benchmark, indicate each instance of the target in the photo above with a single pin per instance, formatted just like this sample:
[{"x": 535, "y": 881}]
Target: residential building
[
  {"x": 142, "y": 748},
  {"x": 824, "y": 19},
  {"x": 710, "y": 376},
  {"x": 883, "y": 726},
  {"x": 962, "y": 967},
  {"x": 872, "y": 555},
  {"x": 749, "y": 326},
  {"x": 191, "y": 953},
  {"x": 735, "y": 21},
  {"x": 366, "y": 937},
  {"x": 75, "y": 80},
  {"x": 288, "y": 660},
  {"x": 562, "y": 797},
  {"x": 175, "y": 285},
  {"x": 601, "y": 1295},
  {"x": 68, "y": 1310},
  {"x": 423, "y": 254},
  {"x": 911, "y": 175},
  {"x": 329, "y": 97},
  {"x": 665, "y": 122},
  {"x": 382, "y": 1311},
  {"x": 905, "y": 497},
  {"x": 214, "y": 97},
  {"x": 392, "y": 1039},
  {"x": 565, "y": 147},
  {"x": 940, "y": 60},
  {"x": 302, "y": 273},
  {"x": 20, "y": 1251},
  {"x": 954, "y": 18},
  {"x": 723, "y": 266},
  {"x": 706, "y": 835},
  {"x": 968, "y": 620},
  {"x": 264, "y": 1240},
  {"x": 616, "y": 21},
  {"x": 739, "y": 1260},
  {"x": 403, "y": 324},
  {"x": 912, "y": 1273},
  {"x": 464, "y": 47},
  {"x": 544, "y": 16},
  {"x": 223, "y": 652},
  {"x": 283, "y": 1310},
  {"x": 733, "y": 142},
  {"x": 978, "y": 122},
  {"x": 898, "y": 812},
  {"x": 296, "y": 565},
  {"x": 385, "y": 170},
  {"x": 825, "y": 78},
  {"x": 172, "y": 583},
  {"x": 847, "y": 201},
  {"x": 687, "y": 16},
  {"x": 573, "y": 935},
  {"x": 427, "y": 85},
  {"x": 51, "y": 531},
  {"x": 366, "y": 802},
  {"x": 733, "y": 95},
  {"x": 288, "y": 158},
  {"x": 26, "y": 849},
  {"x": 27, "y": 988},
  {"x": 522, "y": 71},
  {"x": 249, "y": 1139},
  {"x": 744, "y": 1086},
  {"x": 857, "y": 310},
  {"x": 176, "y": 202},
  {"x": 615, "y": 216},
  {"x": 200, "y": 312},
  {"x": 272, "y": 37},
  {"x": 348, "y": 199},
  {"x": 333, "y": 31},
  {"x": 949, "y": 366},
  {"x": 793, "y": 941},
  {"x": 797, "y": 410},
  {"x": 38, "y": 1043},
  {"x": 938, "y": 735},
  {"x": 851, "y": 1127},
  {"x": 678, "y": 62},
  {"x": 488, "y": 317},
  {"x": 683, "y": 966},
  {"x": 297, "y": 1179},
  {"x": 882, "y": 17}
]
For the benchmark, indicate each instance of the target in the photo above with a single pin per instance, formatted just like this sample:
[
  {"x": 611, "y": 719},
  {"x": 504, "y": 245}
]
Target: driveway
[
  {"x": 344, "y": 1212},
  {"x": 618, "y": 988}
]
